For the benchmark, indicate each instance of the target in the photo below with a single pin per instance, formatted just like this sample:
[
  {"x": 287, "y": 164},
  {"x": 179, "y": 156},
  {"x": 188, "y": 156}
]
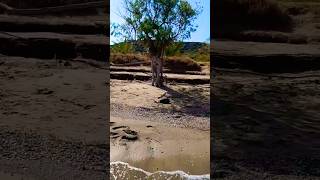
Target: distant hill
[
  {"x": 187, "y": 47},
  {"x": 191, "y": 46}
]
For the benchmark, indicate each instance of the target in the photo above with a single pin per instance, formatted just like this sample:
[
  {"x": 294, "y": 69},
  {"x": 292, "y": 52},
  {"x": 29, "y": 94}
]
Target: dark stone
[
  {"x": 165, "y": 101},
  {"x": 67, "y": 63},
  {"x": 44, "y": 91},
  {"x": 130, "y": 135}
]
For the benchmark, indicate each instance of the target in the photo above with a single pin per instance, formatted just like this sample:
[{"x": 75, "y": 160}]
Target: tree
[
  {"x": 157, "y": 24},
  {"x": 174, "y": 49}
]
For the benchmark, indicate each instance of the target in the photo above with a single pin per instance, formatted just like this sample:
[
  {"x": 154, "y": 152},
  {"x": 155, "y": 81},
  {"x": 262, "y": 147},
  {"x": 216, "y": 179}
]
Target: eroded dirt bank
[{"x": 266, "y": 126}]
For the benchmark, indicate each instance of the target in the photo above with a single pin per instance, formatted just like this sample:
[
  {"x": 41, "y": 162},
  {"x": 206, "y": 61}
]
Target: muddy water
[
  {"x": 120, "y": 170},
  {"x": 151, "y": 159},
  {"x": 195, "y": 165},
  {"x": 174, "y": 167},
  {"x": 177, "y": 166}
]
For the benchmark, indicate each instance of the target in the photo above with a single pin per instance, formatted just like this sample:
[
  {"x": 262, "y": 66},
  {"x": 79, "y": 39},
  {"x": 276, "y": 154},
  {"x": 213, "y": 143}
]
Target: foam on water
[{"x": 123, "y": 171}]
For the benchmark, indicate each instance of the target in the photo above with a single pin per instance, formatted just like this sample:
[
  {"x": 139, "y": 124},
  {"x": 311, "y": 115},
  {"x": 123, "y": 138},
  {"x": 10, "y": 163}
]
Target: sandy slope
[{"x": 53, "y": 119}]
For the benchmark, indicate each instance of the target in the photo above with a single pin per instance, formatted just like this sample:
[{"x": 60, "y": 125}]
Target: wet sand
[
  {"x": 169, "y": 137},
  {"x": 161, "y": 147}
]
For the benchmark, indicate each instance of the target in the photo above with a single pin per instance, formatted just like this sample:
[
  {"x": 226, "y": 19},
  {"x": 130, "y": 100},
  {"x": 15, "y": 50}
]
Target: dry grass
[
  {"x": 181, "y": 64},
  {"x": 118, "y": 58},
  {"x": 174, "y": 63}
]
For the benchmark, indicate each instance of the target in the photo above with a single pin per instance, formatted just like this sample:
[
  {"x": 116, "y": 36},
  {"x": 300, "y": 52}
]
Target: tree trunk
[
  {"x": 156, "y": 53},
  {"x": 157, "y": 71}
]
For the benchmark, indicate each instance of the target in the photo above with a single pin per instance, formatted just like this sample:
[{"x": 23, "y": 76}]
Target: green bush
[
  {"x": 174, "y": 49},
  {"x": 202, "y": 54},
  {"x": 123, "y": 47}
]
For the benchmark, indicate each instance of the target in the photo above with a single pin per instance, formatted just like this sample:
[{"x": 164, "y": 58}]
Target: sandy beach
[
  {"x": 166, "y": 137},
  {"x": 57, "y": 109}
]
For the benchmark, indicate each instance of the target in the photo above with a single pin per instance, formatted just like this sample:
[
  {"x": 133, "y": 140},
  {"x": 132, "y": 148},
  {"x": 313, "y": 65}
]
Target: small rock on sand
[{"x": 164, "y": 101}]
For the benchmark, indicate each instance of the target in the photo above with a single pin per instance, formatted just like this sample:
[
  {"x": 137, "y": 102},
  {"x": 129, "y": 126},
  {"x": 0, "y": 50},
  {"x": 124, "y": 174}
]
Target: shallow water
[
  {"x": 120, "y": 170},
  {"x": 191, "y": 164}
]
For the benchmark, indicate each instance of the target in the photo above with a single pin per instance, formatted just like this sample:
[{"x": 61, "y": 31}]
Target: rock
[
  {"x": 130, "y": 135},
  {"x": 67, "y": 63},
  {"x": 44, "y": 91},
  {"x": 164, "y": 100}
]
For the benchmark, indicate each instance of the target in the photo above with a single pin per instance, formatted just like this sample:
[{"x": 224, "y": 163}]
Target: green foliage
[
  {"x": 157, "y": 23},
  {"x": 123, "y": 47},
  {"x": 202, "y": 54},
  {"x": 174, "y": 49}
]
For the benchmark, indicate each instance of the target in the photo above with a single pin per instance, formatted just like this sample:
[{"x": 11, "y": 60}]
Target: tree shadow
[
  {"x": 192, "y": 101},
  {"x": 262, "y": 140}
]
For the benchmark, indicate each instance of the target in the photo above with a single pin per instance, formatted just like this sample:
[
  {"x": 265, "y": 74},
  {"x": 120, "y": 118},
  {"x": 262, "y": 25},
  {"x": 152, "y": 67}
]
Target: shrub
[
  {"x": 174, "y": 63},
  {"x": 118, "y": 58},
  {"x": 174, "y": 49},
  {"x": 202, "y": 54},
  {"x": 181, "y": 64},
  {"x": 123, "y": 47}
]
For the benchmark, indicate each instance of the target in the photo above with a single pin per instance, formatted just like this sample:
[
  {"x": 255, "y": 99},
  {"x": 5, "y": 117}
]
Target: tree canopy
[{"x": 157, "y": 23}]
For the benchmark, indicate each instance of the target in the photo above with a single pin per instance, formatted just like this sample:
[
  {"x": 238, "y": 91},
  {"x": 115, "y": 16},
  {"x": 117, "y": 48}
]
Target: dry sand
[
  {"x": 169, "y": 137},
  {"x": 53, "y": 119},
  {"x": 266, "y": 126},
  {"x": 53, "y": 113},
  {"x": 61, "y": 101}
]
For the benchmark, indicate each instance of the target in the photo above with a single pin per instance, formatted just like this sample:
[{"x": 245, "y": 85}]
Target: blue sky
[{"x": 203, "y": 21}]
